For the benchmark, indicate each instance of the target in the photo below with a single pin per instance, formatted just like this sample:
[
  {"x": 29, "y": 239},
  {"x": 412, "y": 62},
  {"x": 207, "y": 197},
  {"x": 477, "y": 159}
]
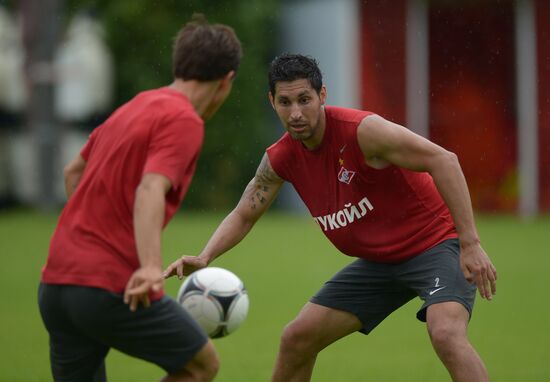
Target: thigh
[
  {"x": 73, "y": 355},
  {"x": 367, "y": 290},
  {"x": 322, "y": 325},
  {"x": 436, "y": 277},
  {"x": 163, "y": 333}
]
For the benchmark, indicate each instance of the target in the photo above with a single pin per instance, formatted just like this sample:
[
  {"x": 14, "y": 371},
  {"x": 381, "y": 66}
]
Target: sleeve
[
  {"x": 174, "y": 149},
  {"x": 279, "y": 157}
]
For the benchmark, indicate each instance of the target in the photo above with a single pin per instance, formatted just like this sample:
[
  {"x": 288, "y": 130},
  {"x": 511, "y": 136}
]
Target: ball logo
[{"x": 345, "y": 176}]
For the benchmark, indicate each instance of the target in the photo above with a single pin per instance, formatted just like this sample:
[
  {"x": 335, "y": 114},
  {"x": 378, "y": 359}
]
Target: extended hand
[
  {"x": 184, "y": 266},
  {"x": 143, "y": 281},
  {"x": 478, "y": 268}
]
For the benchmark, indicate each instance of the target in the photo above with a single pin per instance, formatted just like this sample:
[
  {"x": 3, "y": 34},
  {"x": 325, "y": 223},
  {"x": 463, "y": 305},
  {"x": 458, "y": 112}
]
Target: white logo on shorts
[{"x": 436, "y": 290}]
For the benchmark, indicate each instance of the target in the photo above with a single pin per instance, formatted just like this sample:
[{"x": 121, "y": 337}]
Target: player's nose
[{"x": 295, "y": 113}]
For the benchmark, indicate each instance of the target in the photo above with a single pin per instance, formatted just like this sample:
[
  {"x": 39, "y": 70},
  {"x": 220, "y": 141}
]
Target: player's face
[{"x": 300, "y": 109}]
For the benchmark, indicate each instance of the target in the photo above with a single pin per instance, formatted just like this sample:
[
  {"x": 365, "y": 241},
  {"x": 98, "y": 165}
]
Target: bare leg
[
  {"x": 202, "y": 368},
  {"x": 447, "y": 325},
  {"x": 315, "y": 328}
]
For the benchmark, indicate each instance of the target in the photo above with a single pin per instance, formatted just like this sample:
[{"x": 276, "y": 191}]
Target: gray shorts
[
  {"x": 372, "y": 291},
  {"x": 84, "y": 323}
]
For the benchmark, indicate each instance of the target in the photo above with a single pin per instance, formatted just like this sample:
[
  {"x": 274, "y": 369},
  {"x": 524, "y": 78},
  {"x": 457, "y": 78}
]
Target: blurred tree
[{"x": 140, "y": 34}]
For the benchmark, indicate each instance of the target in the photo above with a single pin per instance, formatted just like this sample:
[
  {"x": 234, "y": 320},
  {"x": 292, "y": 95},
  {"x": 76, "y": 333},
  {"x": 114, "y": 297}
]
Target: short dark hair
[
  {"x": 291, "y": 67},
  {"x": 205, "y": 52}
]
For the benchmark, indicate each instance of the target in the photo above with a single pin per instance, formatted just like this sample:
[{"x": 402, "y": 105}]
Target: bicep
[
  {"x": 153, "y": 182},
  {"x": 380, "y": 139},
  {"x": 260, "y": 191}
]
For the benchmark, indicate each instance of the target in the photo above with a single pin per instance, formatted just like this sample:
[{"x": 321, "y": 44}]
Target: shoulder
[
  {"x": 168, "y": 104},
  {"x": 174, "y": 110},
  {"x": 281, "y": 154},
  {"x": 344, "y": 115},
  {"x": 282, "y": 146},
  {"x": 375, "y": 127}
]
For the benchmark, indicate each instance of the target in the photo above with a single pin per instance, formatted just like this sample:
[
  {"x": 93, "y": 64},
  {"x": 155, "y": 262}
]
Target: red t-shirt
[
  {"x": 158, "y": 131},
  {"x": 386, "y": 215}
]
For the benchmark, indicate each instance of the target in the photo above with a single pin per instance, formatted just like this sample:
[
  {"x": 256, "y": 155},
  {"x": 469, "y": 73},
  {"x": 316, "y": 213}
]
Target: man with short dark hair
[
  {"x": 396, "y": 201},
  {"x": 102, "y": 285}
]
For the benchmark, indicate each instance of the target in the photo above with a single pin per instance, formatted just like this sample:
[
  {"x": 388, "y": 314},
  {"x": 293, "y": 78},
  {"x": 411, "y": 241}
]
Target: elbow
[
  {"x": 445, "y": 162},
  {"x": 448, "y": 163},
  {"x": 452, "y": 159}
]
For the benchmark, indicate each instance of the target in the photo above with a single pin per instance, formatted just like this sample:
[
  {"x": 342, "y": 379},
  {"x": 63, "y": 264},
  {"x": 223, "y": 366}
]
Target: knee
[
  {"x": 447, "y": 326},
  {"x": 209, "y": 366},
  {"x": 446, "y": 336},
  {"x": 210, "y": 369},
  {"x": 203, "y": 367},
  {"x": 298, "y": 338}
]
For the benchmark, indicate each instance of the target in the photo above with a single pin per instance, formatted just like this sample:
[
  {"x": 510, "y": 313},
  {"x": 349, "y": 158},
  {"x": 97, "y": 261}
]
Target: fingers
[
  {"x": 485, "y": 279},
  {"x": 478, "y": 268},
  {"x": 136, "y": 295},
  {"x": 134, "y": 303},
  {"x": 179, "y": 269},
  {"x": 169, "y": 272},
  {"x": 176, "y": 268},
  {"x": 183, "y": 266},
  {"x": 137, "y": 292},
  {"x": 467, "y": 274},
  {"x": 130, "y": 284},
  {"x": 481, "y": 285},
  {"x": 144, "y": 300},
  {"x": 493, "y": 279}
]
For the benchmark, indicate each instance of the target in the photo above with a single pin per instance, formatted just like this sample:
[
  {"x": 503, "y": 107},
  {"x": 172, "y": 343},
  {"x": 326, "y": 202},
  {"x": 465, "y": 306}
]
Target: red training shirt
[
  {"x": 158, "y": 131},
  {"x": 387, "y": 215}
]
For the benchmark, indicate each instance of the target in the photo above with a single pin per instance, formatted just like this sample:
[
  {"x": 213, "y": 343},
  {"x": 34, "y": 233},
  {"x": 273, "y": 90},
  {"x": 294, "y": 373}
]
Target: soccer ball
[{"x": 216, "y": 298}]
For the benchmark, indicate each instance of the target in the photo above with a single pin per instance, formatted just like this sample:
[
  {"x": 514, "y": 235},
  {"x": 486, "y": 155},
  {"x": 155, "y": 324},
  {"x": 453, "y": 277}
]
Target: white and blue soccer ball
[{"x": 216, "y": 298}]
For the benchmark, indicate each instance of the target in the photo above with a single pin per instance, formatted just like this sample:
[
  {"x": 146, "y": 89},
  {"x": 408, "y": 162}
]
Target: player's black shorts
[
  {"x": 84, "y": 323},
  {"x": 372, "y": 291}
]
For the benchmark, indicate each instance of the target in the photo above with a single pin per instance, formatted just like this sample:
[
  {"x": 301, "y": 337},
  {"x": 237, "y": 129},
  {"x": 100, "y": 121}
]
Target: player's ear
[
  {"x": 323, "y": 94},
  {"x": 227, "y": 80},
  {"x": 271, "y": 99}
]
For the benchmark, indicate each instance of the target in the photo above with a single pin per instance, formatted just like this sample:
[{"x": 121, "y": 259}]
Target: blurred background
[{"x": 473, "y": 76}]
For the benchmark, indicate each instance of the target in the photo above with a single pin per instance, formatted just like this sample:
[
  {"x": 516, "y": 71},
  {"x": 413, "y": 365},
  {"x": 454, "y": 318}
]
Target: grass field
[{"x": 283, "y": 262}]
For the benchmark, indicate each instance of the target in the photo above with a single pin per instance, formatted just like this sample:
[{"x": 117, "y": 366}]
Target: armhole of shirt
[{"x": 278, "y": 165}]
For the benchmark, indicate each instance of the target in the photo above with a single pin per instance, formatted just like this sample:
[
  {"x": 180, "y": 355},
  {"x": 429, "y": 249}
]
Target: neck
[
  {"x": 199, "y": 93},
  {"x": 314, "y": 142}
]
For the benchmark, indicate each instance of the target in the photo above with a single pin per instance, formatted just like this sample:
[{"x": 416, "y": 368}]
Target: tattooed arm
[{"x": 257, "y": 197}]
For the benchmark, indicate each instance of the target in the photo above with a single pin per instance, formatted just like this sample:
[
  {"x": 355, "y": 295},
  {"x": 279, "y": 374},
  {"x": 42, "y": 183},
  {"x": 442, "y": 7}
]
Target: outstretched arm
[
  {"x": 384, "y": 143},
  {"x": 255, "y": 200}
]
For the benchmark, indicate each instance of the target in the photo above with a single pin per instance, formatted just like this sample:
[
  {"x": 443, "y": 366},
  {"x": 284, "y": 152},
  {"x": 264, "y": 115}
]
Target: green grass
[{"x": 283, "y": 262}]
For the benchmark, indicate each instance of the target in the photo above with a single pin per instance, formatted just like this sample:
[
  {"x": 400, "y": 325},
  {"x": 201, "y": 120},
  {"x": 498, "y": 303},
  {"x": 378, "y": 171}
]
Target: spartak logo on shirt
[{"x": 345, "y": 176}]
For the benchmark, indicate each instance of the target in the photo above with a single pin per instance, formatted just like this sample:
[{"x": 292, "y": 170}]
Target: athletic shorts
[
  {"x": 372, "y": 291},
  {"x": 84, "y": 323}
]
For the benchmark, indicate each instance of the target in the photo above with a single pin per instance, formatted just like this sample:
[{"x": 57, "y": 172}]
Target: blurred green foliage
[{"x": 140, "y": 34}]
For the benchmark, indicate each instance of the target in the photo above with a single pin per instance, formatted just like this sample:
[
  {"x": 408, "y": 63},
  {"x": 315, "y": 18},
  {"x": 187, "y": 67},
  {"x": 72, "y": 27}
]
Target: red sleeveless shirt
[{"x": 387, "y": 215}]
